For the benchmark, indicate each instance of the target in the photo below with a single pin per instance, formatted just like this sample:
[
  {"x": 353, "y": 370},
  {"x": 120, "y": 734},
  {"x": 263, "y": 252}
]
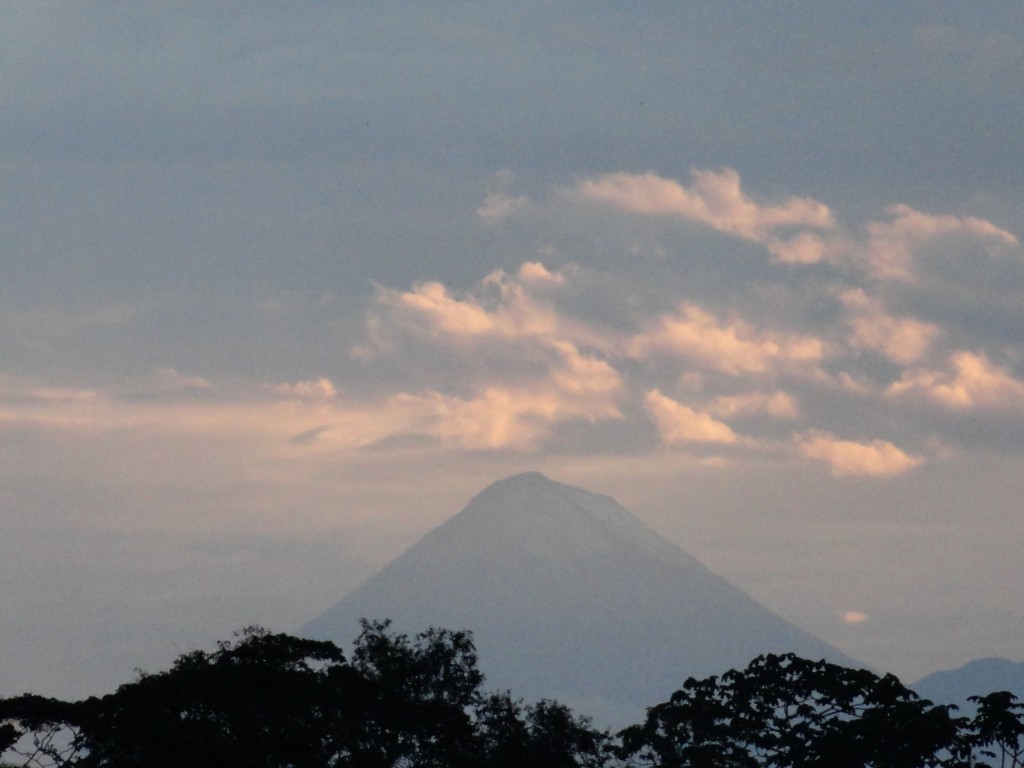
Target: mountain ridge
[{"x": 975, "y": 678}]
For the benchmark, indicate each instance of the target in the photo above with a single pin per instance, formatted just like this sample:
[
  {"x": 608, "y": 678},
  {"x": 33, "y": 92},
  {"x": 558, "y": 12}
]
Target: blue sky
[{"x": 284, "y": 285}]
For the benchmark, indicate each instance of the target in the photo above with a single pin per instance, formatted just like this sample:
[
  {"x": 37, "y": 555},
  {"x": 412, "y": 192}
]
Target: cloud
[
  {"x": 574, "y": 386},
  {"x": 973, "y": 381},
  {"x": 847, "y": 458},
  {"x": 797, "y": 231},
  {"x": 715, "y": 199},
  {"x": 533, "y": 272},
  {"x": 497, "y": 418},
  {"x": 507, "y": 362},
  {"x": 677, "y": 423},
  {"x": 498, "y": 206},
  {"x": 889, "y": 251},
  {"x": 315, "y": 389},
  {"x": 503, "y": 307},
  {"x": 853, "y": 617},
  {"x": 802, "y": 248},
  {"x": 431, "y": 302},
  {"x": 776, "y": 404},
  {"x": 513, "y": 365},
  {"x": 733, "y": 347},
  {"x": 901, "y": 340}
]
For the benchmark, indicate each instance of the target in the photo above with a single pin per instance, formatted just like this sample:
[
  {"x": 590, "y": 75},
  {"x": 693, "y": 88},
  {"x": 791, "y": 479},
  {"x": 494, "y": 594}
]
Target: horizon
[{"x": 285, "y": 287}]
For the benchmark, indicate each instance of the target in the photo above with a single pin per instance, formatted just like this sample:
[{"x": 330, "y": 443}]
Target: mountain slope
[
  {"x": 975, "y": 678},
  {"x": 571, "y": 597}
]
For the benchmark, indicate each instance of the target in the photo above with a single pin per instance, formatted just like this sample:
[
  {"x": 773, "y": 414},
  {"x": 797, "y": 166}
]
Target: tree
[
  {"x": 996, "y": 732},
  {"x": 788, "y": 712},
  {"x": 36, "y": 731},
  {"x": 543, "y": 734},
  {"x": 265, "y": 700},
  {"x": 432, "y": 712},
  {"x": 276, "y": 701}
]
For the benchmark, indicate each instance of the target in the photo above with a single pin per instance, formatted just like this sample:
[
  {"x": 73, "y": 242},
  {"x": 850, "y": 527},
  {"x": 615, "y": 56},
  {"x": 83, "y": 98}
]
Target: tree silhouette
[
  {"x": 788, "y": 712},
  {"x": 268, "y": 700},
  {"x": 996, "y": 731},
  {"x": 276, "y": 701}
]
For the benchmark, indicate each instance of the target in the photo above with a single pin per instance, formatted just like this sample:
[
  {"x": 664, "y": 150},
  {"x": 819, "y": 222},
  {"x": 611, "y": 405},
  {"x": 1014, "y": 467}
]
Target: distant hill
[
  {"x": 570, "y": 597},
  {"x": 976, "y": 678}
]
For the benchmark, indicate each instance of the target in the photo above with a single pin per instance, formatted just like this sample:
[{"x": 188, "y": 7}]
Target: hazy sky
[{"x": 285, "y": 284}]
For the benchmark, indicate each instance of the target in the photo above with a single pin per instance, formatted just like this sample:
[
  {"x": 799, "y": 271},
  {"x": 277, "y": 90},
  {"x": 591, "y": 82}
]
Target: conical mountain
[{"x": 570, "y": 597}]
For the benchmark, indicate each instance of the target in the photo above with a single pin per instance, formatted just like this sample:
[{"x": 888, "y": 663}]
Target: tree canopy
[
  {"x": 788, "y": 712},
  {"x": 275, "y": 701},
  {"x": 268, "y": 700}
]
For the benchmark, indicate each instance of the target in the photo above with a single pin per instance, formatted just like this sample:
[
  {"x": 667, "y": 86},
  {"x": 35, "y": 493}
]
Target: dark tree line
[
  {"x": 273, "y": 700},
  {"x": 276, "y": 701}
]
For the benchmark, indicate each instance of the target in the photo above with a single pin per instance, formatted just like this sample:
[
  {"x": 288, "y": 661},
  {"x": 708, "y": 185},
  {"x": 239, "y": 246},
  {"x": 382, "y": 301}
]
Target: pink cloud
[
  {"x": 889, "y": 252},
  {"x": 519, "y": 418},
  {"x": 776, "y": 404},
  {"x": 506, "y": 307},
  {"x": 901, "y": 340},
  {"x": 430, "y": 302},
  {"x": 731, "y": 347},
  {"x": 972, "y": 381},
  {"x": 678, "y": 423},
  {"x": 315, "y": 389},
  {"x": 847, "y": 458},
  {"x": 854, "y": 617},
  {"x": 715, "y": 199}
]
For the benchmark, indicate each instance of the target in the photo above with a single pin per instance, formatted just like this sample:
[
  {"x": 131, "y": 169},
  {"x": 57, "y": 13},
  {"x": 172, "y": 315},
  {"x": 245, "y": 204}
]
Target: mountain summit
[{"x": 570, "y": 597}]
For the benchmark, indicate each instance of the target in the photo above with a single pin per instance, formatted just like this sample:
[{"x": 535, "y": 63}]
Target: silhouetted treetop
[
  {"x": 267, "y": 700},
  {"x": 275, "y": 701}
]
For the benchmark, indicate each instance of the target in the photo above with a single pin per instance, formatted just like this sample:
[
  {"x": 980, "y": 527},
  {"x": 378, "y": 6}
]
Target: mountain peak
[
  {"x": 532, "y": 477},
  {"x": 571, "y": 597}
]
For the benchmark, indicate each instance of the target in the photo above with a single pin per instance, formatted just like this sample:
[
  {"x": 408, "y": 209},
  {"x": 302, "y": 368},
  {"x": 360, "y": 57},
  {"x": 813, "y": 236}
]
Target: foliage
[
  {"x": 275, "y": 701},
  {"x": 788, "y": 712},
  {"x": 997, "y": 729},
  {"x": 272, "y": 700}
]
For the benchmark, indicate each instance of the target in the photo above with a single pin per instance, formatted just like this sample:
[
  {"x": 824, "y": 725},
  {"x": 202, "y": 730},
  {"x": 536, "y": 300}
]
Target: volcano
[{"x": 570, "y": 597}]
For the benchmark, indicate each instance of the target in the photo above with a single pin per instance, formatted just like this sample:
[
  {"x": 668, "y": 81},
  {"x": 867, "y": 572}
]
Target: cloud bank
[{"x": 799, "y": 358}]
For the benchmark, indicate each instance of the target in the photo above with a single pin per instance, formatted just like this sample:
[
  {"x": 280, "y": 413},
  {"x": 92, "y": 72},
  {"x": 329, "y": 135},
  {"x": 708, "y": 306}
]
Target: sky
[{"x": 283, "y": 285}]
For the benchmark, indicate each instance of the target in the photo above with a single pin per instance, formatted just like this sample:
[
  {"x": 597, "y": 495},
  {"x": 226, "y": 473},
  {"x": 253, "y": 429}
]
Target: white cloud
[
  {"x": 848, "y": 458},
  {"x": 678, "y": 423},
  {"x": 901, "y": 340},
  {"x": 734, "y": 347}
]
